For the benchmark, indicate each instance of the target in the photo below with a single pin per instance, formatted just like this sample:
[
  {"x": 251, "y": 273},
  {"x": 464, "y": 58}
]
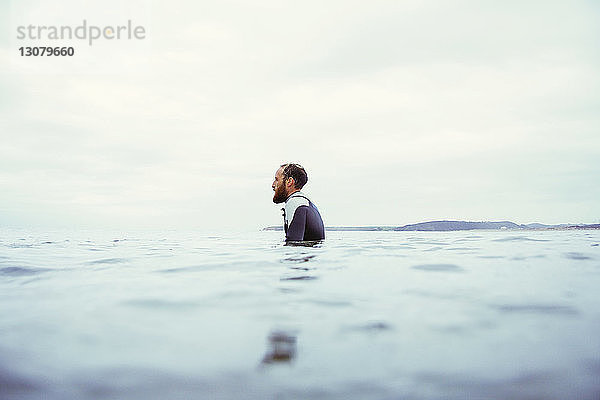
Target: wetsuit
[{"x": 301, "y": 219}]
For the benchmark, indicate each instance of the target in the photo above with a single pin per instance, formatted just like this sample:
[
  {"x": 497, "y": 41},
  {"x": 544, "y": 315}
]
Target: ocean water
[{"x": 364, "y": 315}]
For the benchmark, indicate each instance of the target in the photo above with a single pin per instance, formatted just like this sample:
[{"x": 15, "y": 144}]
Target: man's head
[{"x": 289, "y": 178}]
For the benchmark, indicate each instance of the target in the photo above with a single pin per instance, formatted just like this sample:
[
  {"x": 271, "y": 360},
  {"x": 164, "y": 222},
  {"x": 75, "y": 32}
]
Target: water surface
[{"x": 365, "y": 315}]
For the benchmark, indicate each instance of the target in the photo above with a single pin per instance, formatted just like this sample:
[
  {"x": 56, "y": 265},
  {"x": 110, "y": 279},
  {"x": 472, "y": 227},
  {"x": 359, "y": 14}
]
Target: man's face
[{"x": 279, "y": 187}]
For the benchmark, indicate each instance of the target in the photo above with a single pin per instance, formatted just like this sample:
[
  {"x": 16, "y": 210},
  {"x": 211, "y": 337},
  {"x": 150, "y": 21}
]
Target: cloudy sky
[{"x": 401, "y": 112}]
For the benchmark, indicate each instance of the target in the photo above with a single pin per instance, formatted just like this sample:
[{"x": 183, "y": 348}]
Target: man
[{"x": 301, "y": 218}]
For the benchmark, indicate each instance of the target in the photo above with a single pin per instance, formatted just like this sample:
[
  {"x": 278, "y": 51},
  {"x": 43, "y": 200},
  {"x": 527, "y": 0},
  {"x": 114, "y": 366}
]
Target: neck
[{"x": 292, "y": 193}]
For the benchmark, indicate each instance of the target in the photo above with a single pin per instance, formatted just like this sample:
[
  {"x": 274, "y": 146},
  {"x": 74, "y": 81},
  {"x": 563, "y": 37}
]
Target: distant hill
[
  {"x": 442, "y": 226},
  {"x": 458, "y": 226},
  {"x": 540, "y": 226},
  {"x": 341, "y": 228},
  {"x": 589, "y": 226}
]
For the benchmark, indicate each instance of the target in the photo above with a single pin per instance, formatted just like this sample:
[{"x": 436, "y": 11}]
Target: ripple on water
[
  {"x": 438, "y": 268},
  {"x": 372, "y": 327},
  {"x": 330, "y": 303},
  {"x": 430, "y": 294},
  {"x": 550, "y": 309},
  {"x": 196, "y": 268},
  {"x": 302, "y": 268},
  {"x": 577, "y": 256},
  {"x": 109, "y": 261},
  {"x": 299, "y": 278},
  {"x": 521, "y": 258},
  {"x": 160, "y": 303},
  {"x": 436, "y": 248},
  {"x": 526, "y": 385},
  {"x": 519, "y": 239},
  {"x": 300, "y": 259},
  {"x": 22, "y": 271},
  {"x": 289, "y": 290},
  {"x": 19, "y": 245}
]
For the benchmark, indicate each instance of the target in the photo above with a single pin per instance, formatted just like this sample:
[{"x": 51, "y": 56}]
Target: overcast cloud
[{"x": 401, "y": 111}]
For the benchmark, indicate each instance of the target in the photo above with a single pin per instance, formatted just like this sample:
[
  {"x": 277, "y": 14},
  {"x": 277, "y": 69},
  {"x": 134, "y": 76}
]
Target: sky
[{"x": 400, "y": 111}]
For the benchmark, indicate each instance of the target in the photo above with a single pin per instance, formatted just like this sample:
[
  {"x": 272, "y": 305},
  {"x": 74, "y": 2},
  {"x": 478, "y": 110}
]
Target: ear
[{"x": 290, "y": 182}]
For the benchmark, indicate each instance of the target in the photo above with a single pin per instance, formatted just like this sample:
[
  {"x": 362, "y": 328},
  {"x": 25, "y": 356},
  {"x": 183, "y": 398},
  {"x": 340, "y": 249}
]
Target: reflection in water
[
  {"x": 301, "y": 268},
  {"x": 299, "y": 259},
  {"x": 282, "y": 348},
  {"x": 304, "y": 243}
]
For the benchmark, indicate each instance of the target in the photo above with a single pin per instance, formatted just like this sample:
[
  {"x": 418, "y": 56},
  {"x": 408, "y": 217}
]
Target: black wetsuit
[{"x": 301, "y": 219}]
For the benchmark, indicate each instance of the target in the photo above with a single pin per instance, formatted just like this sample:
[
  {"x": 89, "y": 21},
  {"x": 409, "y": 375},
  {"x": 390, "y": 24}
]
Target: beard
[{"x": 280, "y": 195}]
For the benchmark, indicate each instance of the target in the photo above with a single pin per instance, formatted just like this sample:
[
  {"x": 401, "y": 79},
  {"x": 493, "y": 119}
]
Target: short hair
[{"x": 297, "y": 172}]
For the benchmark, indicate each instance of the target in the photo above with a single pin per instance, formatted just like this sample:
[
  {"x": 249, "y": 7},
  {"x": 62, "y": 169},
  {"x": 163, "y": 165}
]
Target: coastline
[{"x": 450, "y": 226}]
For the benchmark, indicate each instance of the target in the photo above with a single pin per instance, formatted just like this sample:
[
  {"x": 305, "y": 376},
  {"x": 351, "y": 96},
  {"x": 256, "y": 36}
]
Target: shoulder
[{"x": 294, "y": 202}]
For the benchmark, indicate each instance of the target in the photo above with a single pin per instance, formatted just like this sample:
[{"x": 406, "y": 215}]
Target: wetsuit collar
[{"x": 295, "y": 194}]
